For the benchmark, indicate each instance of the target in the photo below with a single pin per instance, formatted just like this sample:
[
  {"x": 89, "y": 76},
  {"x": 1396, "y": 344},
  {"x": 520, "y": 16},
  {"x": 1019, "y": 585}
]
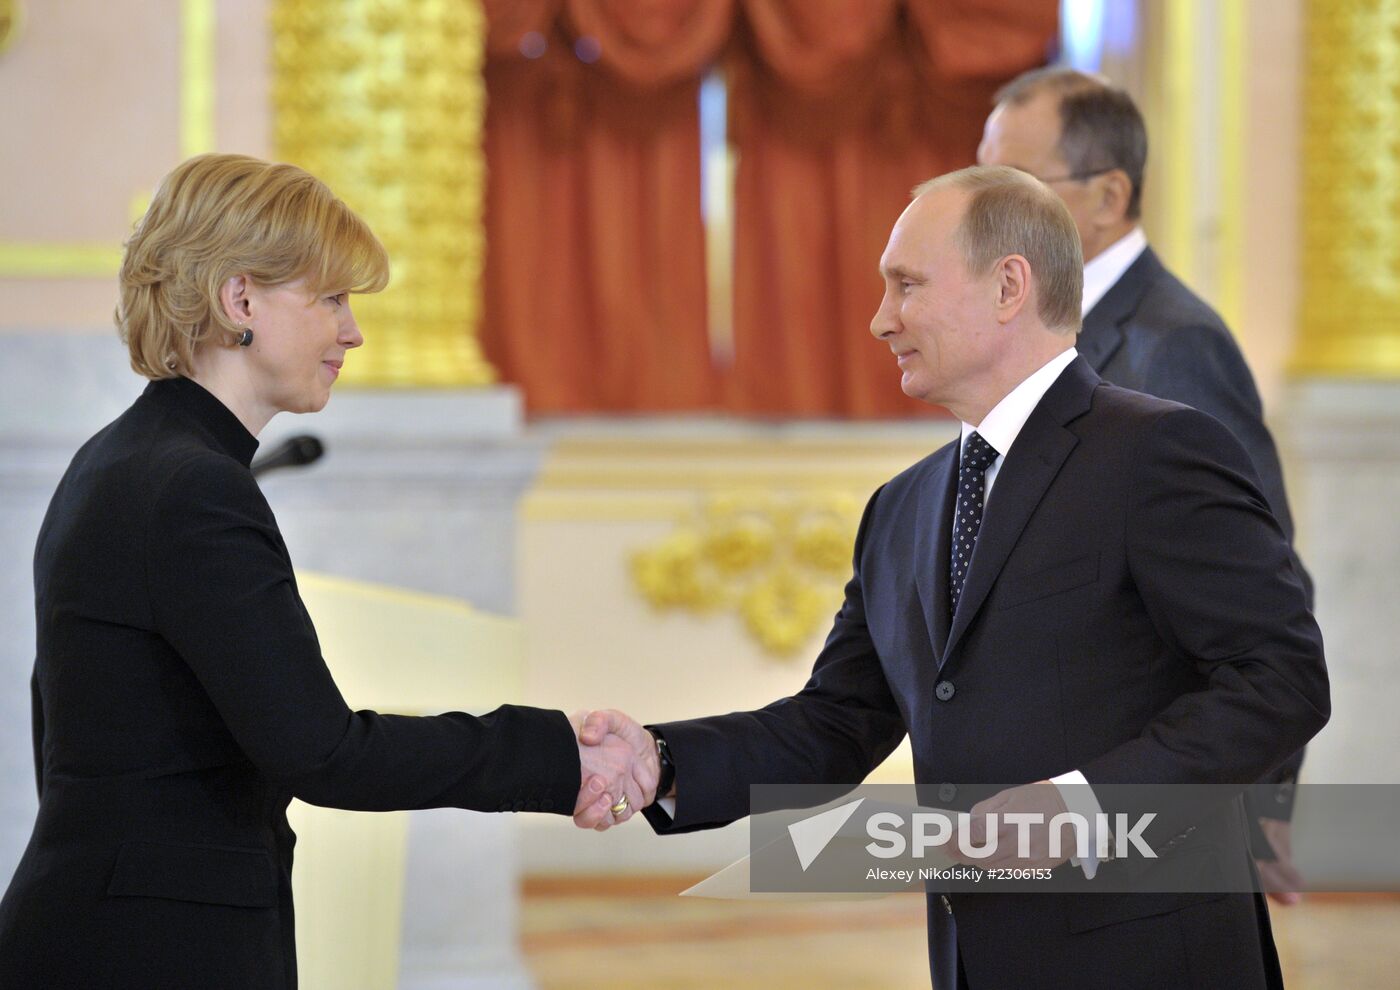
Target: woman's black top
[{"x": 181, "y": 701}]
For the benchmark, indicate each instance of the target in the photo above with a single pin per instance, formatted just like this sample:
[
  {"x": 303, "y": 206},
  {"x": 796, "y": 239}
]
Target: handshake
[{"x": 619, "y": 768}]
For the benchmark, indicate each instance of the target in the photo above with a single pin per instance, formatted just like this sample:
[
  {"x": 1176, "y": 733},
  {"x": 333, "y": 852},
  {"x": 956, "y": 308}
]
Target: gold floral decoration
[
  {"x": 384, "y": 100},
  {"x": 778, "y": 562}
]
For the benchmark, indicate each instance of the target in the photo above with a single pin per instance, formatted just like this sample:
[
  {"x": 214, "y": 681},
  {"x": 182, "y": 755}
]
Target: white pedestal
[{"x": 1342, "y": 447}]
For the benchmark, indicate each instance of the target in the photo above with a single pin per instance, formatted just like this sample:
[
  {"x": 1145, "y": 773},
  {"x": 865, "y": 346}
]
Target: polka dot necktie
[{"x": 977, "y": 456}]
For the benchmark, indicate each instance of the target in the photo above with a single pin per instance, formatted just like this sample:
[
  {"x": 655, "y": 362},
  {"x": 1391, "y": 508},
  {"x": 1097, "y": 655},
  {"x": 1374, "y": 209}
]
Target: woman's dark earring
[{"x": 245, "y": 338}]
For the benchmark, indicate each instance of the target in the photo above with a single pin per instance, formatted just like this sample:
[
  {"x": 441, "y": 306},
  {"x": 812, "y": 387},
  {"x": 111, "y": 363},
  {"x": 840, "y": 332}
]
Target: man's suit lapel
[
  {"x": 1035, "y": 458},
  {"x": 933, "y": 539},
  {"x": 1102, "y": 333}
]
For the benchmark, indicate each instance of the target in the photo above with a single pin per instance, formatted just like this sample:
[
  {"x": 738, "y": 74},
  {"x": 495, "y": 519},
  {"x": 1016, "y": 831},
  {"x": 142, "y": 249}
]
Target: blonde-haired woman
[{"x": 180, "y": 696}]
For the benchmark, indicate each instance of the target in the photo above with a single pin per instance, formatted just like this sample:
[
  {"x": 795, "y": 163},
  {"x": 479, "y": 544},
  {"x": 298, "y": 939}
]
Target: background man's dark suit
[
  {"x": 1131, "y": 612},
  {"x": 1152, "y": 334}
]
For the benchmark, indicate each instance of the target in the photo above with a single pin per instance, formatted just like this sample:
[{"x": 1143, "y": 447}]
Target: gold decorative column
[
  {"x": 384, "y": 100},
  {"x": 1350, "y": 309}
]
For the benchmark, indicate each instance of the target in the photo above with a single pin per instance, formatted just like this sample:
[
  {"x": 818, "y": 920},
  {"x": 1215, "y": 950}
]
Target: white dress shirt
[
  {"x": 1108, "y": 266},
  {"x": 1000, "y": 428}
]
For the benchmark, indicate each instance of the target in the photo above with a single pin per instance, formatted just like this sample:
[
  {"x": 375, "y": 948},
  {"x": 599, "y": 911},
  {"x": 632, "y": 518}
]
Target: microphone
[{"x": 293, "y": 452}]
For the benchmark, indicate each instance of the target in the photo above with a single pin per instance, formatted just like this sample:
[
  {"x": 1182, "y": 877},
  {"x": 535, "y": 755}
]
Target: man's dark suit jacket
[
  {"x": 181, "y": 702},
  {"x": 1130, "y": 611},
  {"x": 1152, "y": 334}
]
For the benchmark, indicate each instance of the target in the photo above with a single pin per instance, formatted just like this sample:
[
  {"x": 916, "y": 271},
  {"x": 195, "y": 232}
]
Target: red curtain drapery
[
  {"x": 595, "y": 269},
  {"x": 594, "y": 275}
]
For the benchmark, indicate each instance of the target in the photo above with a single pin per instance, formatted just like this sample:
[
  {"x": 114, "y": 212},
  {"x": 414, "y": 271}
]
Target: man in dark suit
[
  {"x": 1087, "y": 587},
  {"x": 1143, "y": 329}
]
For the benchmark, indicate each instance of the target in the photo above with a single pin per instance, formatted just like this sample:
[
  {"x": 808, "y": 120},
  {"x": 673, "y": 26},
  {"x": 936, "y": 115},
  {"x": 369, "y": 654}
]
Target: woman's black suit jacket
[{"x": 181, "y": 702}]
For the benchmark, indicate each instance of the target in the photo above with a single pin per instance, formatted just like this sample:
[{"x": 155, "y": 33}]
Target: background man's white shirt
[{"x": 1108, "y": 266}]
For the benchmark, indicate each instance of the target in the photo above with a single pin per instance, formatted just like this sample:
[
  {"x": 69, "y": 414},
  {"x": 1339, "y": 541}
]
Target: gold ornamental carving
[
  {"x": 385, "y": 101},
  {"x": 779, "y": 563},
  {"x": 1350, "y": 261}
]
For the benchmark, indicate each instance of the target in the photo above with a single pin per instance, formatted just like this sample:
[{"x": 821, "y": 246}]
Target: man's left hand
[
  {"x": 1042, "y": 799},
  {"x": 1280, "y": 878}
]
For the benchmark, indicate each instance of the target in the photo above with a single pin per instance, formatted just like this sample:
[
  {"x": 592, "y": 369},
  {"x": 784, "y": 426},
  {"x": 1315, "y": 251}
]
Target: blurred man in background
[{"x": 1143, "y": 329}]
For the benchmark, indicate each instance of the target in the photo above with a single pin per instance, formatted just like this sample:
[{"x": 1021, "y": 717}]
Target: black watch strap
[{"x": 668, "y": 769}]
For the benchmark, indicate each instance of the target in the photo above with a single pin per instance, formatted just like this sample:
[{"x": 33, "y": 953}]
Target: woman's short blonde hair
[{"x": 217, "y": 216}]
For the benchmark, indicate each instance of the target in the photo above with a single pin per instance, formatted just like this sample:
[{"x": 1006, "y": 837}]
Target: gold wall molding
[
  {"x": 1350, "y": 210},
  {"x": 590, "y": 478},
  {"x": 385, "y": 101},
  {"x": 21, "y": 259},
  {"x": 197, "y": 61},
  {"x": 11, "y": 17},
  {"x": 1176, "y": 133},
  {"x": 1193, "y": 93},
  {"x": 1232, "y": 61}
]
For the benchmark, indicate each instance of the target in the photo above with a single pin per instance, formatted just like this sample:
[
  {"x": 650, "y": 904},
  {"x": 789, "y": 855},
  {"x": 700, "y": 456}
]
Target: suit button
[
  {"x": 944, "y": 691},
  {"x": 947, "y": 906},
  {"x": 946, "y": 792}
]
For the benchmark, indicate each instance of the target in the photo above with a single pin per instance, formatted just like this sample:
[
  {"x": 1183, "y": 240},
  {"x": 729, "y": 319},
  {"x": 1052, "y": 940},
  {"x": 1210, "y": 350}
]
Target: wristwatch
[{"x": 668, "y": 769}]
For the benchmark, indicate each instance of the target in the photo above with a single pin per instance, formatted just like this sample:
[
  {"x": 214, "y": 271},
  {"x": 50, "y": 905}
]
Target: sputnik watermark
[
  {"x": 1168, "y": 838},
  {"x": 935, "y": 829},
  {"x": 898, "y": 834}
]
